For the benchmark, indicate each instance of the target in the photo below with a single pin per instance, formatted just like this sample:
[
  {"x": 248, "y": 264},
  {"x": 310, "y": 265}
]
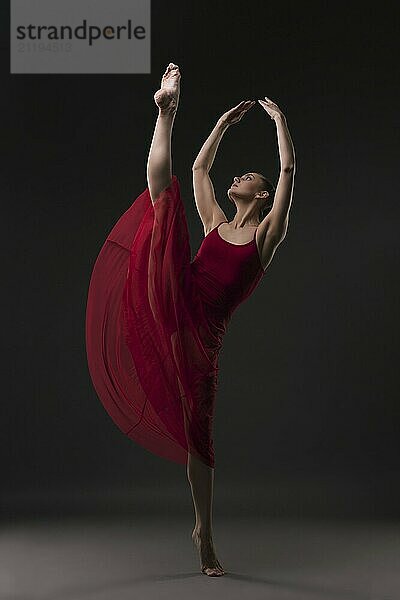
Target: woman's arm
[
  {"x": 279, "y": 214},
  {"x": 206, "y": 156},
  {"x": 285, "y": 144},
  {"x": 206, "y": 203},
  {"x": 207, "y": 206},
  {"x": 208, "y": 151}
]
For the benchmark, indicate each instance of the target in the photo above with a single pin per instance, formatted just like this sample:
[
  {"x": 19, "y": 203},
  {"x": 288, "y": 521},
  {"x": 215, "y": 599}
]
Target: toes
[
  {"x": 173, "y": 67},
  {"x": 213, "y": 571},
  {"x": 168, "y": 69},
  {"x": 171, "y": 70}
]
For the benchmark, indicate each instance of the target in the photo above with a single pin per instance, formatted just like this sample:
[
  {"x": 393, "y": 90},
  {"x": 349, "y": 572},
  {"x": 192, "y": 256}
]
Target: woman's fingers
[
  {"x": 237, "y": 112},
  {"x": 243, "y": 102},
  {"x": 270, "y": 103},
  {"x": 248, "y": 105}
]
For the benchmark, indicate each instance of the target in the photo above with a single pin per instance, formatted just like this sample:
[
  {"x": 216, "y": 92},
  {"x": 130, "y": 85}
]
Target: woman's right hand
[{"x": 235, "y": 114}]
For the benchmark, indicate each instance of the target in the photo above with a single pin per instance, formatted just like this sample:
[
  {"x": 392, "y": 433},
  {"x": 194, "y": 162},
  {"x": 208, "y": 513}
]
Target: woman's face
[{"x": 246, "y": 186}]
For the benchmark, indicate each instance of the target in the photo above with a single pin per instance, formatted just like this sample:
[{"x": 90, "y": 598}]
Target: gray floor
[{"x": 129, "y": 557}]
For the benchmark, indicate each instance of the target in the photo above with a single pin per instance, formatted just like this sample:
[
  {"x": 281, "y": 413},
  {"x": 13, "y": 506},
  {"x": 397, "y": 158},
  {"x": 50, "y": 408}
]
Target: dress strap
[
  {"x": 216, "y": 227},
  {"x": 221, "y": 223}
]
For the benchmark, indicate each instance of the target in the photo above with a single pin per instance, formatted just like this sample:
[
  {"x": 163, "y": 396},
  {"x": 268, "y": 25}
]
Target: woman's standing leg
[
  {"x": 159, "y": 163},
  {"x": 201, "y": 479}
]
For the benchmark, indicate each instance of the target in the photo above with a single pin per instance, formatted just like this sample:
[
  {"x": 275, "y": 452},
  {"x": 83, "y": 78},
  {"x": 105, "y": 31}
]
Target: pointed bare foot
[
  {"x": 167, "y": 97},
  {"x": 209, "y": 563}
]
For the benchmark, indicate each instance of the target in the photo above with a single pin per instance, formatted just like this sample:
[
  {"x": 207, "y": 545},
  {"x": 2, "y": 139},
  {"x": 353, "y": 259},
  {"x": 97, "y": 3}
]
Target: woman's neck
[{"x": 245, "y": 221}]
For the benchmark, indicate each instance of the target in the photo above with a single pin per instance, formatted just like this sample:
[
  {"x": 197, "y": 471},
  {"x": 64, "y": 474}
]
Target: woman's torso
[{"x": 226, "y": 273}]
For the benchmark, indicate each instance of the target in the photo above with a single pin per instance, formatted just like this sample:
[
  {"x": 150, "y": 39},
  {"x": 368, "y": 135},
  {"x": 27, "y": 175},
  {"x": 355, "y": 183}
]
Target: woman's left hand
[{"x": 272, "y": 109}]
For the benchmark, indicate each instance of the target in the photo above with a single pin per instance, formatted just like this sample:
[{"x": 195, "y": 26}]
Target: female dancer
[{"x": 155, "y": 319}]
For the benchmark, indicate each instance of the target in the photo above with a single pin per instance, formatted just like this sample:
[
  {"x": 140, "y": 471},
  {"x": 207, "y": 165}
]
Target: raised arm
[
  {"x": 277, "y": 218},
  {"x": 208, "y": 208}
]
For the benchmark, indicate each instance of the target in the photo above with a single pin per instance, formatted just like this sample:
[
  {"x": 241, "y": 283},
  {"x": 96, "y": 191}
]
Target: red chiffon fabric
[{"x": 155, "y": 322}]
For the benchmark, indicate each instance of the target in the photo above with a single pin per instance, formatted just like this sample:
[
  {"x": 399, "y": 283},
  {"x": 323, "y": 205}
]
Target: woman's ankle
[
  {"x": 204, "y": 533},
  {"x": 167, "y": 113}
]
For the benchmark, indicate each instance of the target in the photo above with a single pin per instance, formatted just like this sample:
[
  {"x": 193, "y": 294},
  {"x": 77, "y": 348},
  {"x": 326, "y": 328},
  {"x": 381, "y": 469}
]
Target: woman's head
[
  {"x": 270, "y": 188},
  {"x": 253, "y": 188}
]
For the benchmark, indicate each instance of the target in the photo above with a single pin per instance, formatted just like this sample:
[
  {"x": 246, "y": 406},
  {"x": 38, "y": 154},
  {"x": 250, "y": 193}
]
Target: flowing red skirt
[{"x": 151, "y": 354}]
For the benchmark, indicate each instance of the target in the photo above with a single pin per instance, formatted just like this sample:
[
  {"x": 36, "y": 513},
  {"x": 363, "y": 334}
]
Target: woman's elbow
[{"x": 289, "y": 168}]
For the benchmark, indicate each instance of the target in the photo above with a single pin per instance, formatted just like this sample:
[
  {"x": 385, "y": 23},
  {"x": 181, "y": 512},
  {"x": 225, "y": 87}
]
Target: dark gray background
[{"x": 308, "y": 395}]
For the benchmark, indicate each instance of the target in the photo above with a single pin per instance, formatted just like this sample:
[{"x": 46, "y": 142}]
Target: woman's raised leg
[
  {"x": 159, "y": 175},
  {"x": 159, "y": 163},
  {"x": 201, "y": 479}
]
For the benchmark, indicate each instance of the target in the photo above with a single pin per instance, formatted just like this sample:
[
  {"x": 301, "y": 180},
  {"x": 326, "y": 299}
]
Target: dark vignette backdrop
[{"x": 308, "y": 380}]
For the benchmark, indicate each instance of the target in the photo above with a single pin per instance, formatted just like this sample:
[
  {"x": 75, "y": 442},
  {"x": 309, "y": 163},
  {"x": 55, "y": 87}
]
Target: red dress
[{"x": 155, "y": 322}]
